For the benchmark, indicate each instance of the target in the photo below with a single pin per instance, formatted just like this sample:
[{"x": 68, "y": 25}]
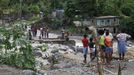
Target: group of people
[
  {"x": 101, "y": 44},
  {"x": 40, "y": 33}
]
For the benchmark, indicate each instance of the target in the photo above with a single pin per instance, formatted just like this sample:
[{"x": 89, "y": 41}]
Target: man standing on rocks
[
  {"x": 47, "y": 32},
  {"x": 85, "y": 47}
]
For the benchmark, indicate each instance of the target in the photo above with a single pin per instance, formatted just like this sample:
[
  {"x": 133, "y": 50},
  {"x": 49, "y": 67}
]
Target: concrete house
[
  {"x": 107, "y": 22},
  {"x": 103, "y": 22}
]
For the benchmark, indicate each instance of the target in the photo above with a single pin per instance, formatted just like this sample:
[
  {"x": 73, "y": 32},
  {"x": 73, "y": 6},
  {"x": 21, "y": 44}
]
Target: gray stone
[
  {"x": 72, "y": 47},
  {"x": 28, "y": 72},
  {"x": 57, "y": 56},
  {"x": 56, "y": 66},
  {"x": 38, "y": 53},
  {"x": 38, "y": 74},
  {"x": 68, "y": 65},
  {"x": 64, "y": 48},
  {"x": 41, "y": 72},
  {"x": 46, "y": 55},
  {"x": 79, "y": 48},
  {"x": 54, "y": 51}
]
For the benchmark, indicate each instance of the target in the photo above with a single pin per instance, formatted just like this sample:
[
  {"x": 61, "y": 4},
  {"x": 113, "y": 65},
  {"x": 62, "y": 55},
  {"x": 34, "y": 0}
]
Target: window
[
  {"x": 98, "y": 22},
  {"x": 102, "y": 22},
  {"x": 108, "y": 22}
]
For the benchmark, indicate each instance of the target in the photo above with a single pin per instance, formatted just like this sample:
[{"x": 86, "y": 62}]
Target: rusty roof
[{"x": 101, "y": 17}]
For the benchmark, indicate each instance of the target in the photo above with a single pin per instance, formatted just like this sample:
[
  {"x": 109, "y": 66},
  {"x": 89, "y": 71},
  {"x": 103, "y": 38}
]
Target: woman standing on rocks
[
  {"x": 108, "y": 49},
  {"x": 101, "y": 42},
  {"x": 122, "y": 38}
]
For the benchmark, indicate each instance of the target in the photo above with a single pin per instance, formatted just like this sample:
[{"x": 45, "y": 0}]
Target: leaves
[
  {"x": 127, "y": 24},
  {"x": 19, "y": 53}
]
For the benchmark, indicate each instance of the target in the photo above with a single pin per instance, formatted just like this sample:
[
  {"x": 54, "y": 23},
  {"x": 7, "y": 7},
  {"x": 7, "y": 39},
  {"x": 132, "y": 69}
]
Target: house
[
  {"x": 106, "y": 22},
  {"x": 103, "y": 22}
]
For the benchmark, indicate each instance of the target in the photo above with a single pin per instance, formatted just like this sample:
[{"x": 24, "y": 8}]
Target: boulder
[
  {"x": 64, "y": 48},
  {"x": 79, "y": 48},
  {"x": 54, "y": 51},
  {"x": 28, "y": 72},
  {"x": 41, "y": 72},
  {"x": 41, "y": 63},
  {"x": 38, "y": 53},
  {"x": 46, "y": 55}
]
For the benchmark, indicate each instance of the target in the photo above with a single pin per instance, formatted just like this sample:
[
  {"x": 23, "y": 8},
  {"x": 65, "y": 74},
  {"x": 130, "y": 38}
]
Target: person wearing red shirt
[{"x": 85, "y": 47}]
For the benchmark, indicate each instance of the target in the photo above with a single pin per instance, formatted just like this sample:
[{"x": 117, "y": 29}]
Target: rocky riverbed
[{"x": 58, "y": 59}]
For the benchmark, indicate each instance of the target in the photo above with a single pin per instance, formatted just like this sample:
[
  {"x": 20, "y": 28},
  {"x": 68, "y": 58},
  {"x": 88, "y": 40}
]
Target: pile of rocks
[{"x": 46, "y": 59}]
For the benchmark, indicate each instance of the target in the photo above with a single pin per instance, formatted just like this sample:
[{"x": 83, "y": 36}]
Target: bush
[
  {"x": 127, "y": 9},
  {"x": 34, "y": 9},
  {"x": 127, "y": 24},
  {"x": 25, "y": 9},
  {"x": 21, "y": 57}
]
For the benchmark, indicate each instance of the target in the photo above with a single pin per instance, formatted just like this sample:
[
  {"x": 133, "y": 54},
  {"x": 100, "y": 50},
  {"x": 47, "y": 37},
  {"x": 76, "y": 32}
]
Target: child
[
  {"x": 108, "y": 50},
  {"x": 92, "y": 49},
  {"x": 85, "y": 47}
]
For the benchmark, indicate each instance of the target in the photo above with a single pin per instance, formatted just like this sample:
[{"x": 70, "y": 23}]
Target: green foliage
[
  {"x": 56, "y": 23},
  {"x": 4, "y": 3},
  {"x": 83, "y": 8},
  {"x": 25, "y": 9},
  {"x": 34, "y": 9},
  {"x": 127, "y": 24},
  {"x": 71, "y": 29},
  {"x": 45, "y": 6},
  {"x": 16, "y": 8},
  {"x": 127, "y": 9},
  {"x": 16, "y": 51},
  {"x": 69, "y": 9},
  {"x": 87, "y": 8}
]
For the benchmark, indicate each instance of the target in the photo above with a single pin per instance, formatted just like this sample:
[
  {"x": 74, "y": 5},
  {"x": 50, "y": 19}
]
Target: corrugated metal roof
[{"x": 101, "y": 17}]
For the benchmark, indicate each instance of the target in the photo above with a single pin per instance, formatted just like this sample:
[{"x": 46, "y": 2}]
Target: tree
[
  {"x": 69, "y": 12},
  {"x": 127, "y": 24},
  {"x": 127, "y": 9},
  {"x": 4, "y": 4},
  {"x": 87, "y": 8},
  {"x": 34, "y": 9}
]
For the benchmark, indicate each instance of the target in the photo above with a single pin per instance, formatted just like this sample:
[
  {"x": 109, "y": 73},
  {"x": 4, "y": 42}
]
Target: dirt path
[{"x": 6, "y": 70}]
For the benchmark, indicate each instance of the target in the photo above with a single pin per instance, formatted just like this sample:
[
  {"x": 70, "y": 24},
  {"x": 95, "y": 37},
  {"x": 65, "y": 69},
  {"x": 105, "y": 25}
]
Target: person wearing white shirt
[{"x": 38, "y": 35}]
